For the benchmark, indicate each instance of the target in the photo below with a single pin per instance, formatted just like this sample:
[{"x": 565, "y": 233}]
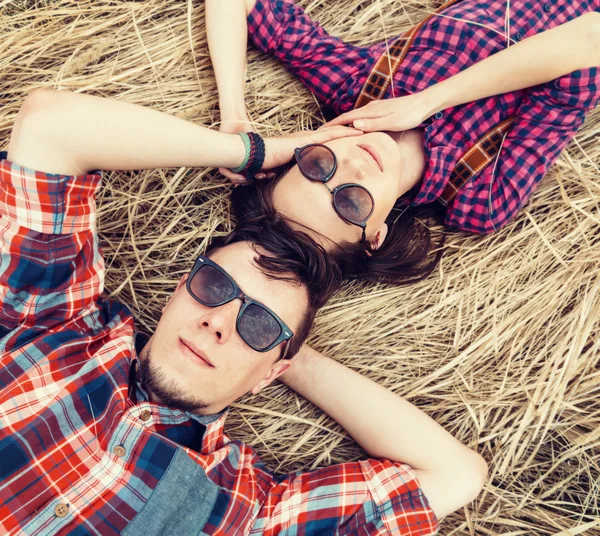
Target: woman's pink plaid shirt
[{"x": 547, "y": 116}]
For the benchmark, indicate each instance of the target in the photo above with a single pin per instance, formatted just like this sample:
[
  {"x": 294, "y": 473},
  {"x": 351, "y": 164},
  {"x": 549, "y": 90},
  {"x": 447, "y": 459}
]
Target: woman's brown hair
[
  {"x": 295, "y": 258},
  {"x": 410, "y": 252}
]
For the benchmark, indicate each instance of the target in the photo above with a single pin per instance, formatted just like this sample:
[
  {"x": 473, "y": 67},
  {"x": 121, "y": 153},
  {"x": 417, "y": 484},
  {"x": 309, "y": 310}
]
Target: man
[{"x": 102, "y": 437}]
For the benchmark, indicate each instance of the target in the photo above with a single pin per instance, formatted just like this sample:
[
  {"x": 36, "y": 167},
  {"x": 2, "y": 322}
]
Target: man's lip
[
  {"x": 197, "y": 353},
  {"x": 374, "y": 154}
]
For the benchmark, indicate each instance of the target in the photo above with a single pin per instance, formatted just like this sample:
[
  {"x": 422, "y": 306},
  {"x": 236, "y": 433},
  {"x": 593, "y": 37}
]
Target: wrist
[
  {"x": 254, "y": 155},
  {"x": 435, "y": 99},
  {"x": 233, "y": 110}
]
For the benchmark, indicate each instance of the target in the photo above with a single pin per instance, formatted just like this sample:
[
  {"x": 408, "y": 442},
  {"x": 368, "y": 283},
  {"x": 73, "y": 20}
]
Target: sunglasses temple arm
[{"x": 286, "y": 348}]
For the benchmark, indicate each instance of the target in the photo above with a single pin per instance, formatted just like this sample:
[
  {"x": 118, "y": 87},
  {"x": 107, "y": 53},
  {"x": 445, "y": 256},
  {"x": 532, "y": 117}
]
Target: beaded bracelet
[
  {"x": 255, "y": 155},
  {"x": 243, "y": 165}
]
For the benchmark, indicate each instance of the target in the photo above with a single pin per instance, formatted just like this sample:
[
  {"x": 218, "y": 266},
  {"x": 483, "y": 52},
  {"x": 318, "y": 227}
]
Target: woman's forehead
[{"x": 308, "y": 205}]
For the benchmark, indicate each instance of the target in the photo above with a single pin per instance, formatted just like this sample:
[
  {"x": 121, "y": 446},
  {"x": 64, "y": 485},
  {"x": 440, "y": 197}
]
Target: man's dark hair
[
  {"x": 410, "y": 252},
  {"x": 292, "y": 257}
]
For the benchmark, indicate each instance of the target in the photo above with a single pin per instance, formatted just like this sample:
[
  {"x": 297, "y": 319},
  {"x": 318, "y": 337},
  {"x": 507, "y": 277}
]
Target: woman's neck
[{"x": 412, "y": 158}]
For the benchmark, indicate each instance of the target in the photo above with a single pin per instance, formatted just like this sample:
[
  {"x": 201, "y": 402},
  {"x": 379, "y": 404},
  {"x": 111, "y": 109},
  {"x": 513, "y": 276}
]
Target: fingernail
[{"x": 359, "y": 124}]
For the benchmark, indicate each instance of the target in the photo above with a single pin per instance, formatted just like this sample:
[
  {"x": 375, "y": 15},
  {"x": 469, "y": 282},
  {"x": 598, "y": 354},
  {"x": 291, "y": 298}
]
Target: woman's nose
[{"x": 353, "y": 169}]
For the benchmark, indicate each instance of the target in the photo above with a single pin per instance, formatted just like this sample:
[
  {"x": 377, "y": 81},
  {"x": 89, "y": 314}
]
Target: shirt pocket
[{"x": 180, "y": 504}]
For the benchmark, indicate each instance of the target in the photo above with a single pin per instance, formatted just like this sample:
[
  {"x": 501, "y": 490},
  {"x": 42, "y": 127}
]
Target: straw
[{"x": 501, "y": 345}]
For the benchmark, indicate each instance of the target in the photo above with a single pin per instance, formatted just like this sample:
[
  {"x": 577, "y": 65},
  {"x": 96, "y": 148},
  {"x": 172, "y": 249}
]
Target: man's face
[{"x": 196, "y": 359}]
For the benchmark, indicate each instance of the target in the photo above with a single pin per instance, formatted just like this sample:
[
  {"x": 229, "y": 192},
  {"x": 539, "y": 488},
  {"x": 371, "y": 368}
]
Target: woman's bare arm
[{"x": 227, "y": 32}]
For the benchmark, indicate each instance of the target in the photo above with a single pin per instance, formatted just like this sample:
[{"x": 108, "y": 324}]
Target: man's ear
[
  {"x": 182, "y": 282},
  {"x": 277, "y": 370},
  {"x": 379, "y": 237},
  {"x": 179, "y": 285}
]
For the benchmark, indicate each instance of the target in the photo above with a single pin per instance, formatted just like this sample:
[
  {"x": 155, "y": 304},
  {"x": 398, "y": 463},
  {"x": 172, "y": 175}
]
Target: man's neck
[{"x": 412, "y": 158}]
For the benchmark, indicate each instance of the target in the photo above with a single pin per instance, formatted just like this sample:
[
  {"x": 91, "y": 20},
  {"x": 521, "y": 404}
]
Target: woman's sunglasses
[
  {"x": 258, "y": 326},
  {"x": 352, "y": 202}
]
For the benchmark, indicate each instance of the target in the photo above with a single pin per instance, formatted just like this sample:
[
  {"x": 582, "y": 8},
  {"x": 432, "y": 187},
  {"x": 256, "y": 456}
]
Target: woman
[{"x": 439, "y": 103}]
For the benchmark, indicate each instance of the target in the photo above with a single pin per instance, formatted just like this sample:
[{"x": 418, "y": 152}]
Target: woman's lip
[
  {"x": 189, "y": 350},
  {"x": 374, "y": 154}
]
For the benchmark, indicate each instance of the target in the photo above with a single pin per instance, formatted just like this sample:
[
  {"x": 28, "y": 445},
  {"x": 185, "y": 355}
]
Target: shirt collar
[{"x": 441, "y": 158}]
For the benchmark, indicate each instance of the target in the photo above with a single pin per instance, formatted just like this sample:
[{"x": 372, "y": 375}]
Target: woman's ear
[{"x": 379, "y": 237}]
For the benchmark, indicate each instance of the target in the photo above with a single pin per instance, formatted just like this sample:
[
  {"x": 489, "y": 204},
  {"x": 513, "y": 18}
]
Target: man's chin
[{"x": 166, "y": 390}]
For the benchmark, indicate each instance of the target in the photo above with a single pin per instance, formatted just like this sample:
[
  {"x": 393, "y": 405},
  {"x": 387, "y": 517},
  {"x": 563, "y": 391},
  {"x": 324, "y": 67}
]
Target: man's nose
[{"x": 220, "y": 321}]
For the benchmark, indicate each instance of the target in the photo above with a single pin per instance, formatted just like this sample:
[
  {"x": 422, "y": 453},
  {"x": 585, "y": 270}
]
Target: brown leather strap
[
  {"x": 383, "y": 72},
  {"x": 475, "y": 159}
]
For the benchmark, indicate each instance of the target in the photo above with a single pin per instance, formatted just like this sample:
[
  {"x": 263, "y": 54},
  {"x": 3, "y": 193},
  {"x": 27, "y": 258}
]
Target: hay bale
[{"x": 501, "y": 345}]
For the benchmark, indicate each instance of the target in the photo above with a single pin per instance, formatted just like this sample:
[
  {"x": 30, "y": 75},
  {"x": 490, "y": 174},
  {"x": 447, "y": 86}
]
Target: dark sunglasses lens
[
  {"x": 211, "y": 286},
  {"x": 353, "y": 203},
  {"x": 316, "y": 162},
  {"x": 258, "y": 327}
]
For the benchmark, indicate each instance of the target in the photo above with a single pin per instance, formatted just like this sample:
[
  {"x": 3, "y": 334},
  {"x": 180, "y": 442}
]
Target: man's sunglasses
[
  {"x": 258, "y": 326},
  {"x": 352, "y": 202}
]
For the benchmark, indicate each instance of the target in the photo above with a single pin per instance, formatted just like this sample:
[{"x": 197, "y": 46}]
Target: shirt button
[
  {"x": 435, "y": 23},
  {"x": 119, "y": 451},
  {"x": 439, "y": 115},
  {"x": 61, "y": 510},
  {"x": 519, "y": 35},
  {"x": 145, "y": 415},
  {"x": 547, "y": 8}
]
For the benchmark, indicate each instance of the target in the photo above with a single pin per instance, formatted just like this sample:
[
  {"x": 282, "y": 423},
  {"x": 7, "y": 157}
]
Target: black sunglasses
[
  {"x": 352, "y": 202},
  {"x": 258, "y": 326}
]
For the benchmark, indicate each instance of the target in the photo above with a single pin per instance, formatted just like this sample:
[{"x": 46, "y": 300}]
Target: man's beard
[{"x": 155, "y": 380}]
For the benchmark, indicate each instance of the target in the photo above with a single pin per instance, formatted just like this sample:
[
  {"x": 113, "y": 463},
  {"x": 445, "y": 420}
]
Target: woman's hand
[
  {"x": 401, "y": 113},
  {"x": 279, "y": 151}
]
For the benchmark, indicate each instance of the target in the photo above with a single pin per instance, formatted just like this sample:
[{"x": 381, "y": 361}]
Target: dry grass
[{"x": 501, "y": 345}]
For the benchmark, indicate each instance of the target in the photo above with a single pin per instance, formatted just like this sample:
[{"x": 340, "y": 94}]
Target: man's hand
[
  {"x": 279, "y": 151},
  {"x": 402, "y": 113},
  {"x": 234, "y": 123}
]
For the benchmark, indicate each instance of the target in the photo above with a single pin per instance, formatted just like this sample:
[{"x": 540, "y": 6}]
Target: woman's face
[{"x": 371, "y": 160}]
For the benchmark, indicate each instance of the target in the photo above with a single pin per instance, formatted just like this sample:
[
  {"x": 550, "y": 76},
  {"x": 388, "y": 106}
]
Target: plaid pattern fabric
[
  {"x": 382, "y": 75},
  {"x": 546, "y": 117},
  {"x": 475, "y": 159},
  {"x": 83, "y": 451}
]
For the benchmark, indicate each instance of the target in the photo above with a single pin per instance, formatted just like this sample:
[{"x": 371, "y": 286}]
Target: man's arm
[
  {"x": 569, "y": 47},
  {"x": 386, "y": 426},
  {"x": 71, "y": 133}
]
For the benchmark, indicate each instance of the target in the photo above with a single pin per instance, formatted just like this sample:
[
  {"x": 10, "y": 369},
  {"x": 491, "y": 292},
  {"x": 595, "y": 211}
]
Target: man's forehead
[{"x": 238, "y": 260}]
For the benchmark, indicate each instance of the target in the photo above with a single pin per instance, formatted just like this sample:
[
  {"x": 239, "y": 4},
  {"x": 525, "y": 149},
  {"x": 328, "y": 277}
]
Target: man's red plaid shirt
[{"x": 83, "y": 451}]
